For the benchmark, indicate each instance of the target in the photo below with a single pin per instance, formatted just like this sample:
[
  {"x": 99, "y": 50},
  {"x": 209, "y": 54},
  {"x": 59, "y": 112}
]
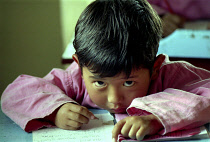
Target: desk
[
  {"x": 192, "y": 46},
  {"x": 11, "y": 132},
  {"x": 67, "y": 55}
]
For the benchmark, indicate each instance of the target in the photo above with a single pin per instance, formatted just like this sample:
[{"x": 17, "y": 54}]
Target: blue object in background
[{"x": 186, "y": 44}]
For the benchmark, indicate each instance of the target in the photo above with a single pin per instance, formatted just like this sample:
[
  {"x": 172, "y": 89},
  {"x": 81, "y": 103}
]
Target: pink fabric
[
  {"x": 190, "y": 9},
  {"x": 180, "y": 96},
  {"x": 30, "y": 98}
]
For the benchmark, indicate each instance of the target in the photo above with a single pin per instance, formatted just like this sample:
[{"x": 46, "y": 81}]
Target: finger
[
  {"x": 82, "y": 110},
  {"x": 77, "y": 117},
  {"x": 66, "y": 127},
  {"x": 75, "y": 124},
  {"x": 117, "y": 129},
  {"x": 141, "y": 133},
  {"x": 133, "y": 132},
  {"x": 125, "y": 130},
  {"x": 69, "y": 125}
]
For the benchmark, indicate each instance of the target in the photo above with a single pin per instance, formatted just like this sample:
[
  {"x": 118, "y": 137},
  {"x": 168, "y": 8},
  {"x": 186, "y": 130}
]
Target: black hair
[{"x": 114, "y": 36}]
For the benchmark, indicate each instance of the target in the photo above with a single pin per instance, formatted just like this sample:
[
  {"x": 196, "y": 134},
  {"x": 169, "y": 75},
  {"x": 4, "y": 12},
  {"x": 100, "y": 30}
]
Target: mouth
[{"x": 118, "y": 110}]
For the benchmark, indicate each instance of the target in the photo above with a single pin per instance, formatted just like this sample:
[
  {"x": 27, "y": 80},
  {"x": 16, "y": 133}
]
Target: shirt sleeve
[
  {"x": 29, "y": 100},
  {"x": 184, "y": 101}
]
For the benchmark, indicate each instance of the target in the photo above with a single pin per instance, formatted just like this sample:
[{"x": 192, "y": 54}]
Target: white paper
[{"x": 95, "y": 131}]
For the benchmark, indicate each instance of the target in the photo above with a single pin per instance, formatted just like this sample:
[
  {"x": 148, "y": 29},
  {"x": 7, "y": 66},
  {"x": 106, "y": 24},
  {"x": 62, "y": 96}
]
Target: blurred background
[{"x": 34, "y": 34}]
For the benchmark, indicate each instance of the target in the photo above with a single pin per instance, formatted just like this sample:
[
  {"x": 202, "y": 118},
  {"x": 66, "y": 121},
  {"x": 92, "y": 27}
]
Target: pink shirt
[
  {"x": 190, "y": 9},
  {"x": 179, "y": 97}
]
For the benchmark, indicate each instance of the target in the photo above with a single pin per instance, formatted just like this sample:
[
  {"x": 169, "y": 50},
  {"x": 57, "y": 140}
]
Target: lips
[{"x": 119, "y": 110}]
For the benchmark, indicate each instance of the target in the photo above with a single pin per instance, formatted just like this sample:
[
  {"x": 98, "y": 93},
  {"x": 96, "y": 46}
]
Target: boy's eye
[
  {"x": 100, "y": 84},
  {"x": 128, "y": 83}
]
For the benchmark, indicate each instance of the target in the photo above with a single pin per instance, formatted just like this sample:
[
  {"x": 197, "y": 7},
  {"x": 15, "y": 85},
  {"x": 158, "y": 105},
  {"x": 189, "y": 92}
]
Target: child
[{"x": 115, "y": 68}]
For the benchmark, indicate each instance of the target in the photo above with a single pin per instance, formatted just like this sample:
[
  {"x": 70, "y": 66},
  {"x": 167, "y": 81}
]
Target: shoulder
[
  {"x": 71, "y": 73},
  {"x": 74, "y": 73},
  {"x": 75, "y": 76},
  {"x": 183, "y": 69},
  {"x": 177, "y": 74},
  {"x": 74, "y": 68}
]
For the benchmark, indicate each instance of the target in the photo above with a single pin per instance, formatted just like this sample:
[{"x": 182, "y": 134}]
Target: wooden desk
[{"x": 202, "y": 63}]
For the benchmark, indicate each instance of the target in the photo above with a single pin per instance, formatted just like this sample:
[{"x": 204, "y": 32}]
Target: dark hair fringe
[{"x": 117, "y": 36}]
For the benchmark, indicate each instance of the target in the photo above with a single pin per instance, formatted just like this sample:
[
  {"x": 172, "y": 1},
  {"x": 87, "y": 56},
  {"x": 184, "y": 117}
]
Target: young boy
[{"x": 115, "y": 68}]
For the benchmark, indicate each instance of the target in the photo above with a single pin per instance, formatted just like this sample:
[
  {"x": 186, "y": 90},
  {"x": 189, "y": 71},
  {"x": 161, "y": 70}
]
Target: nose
[{"x": 115, "y": 96}]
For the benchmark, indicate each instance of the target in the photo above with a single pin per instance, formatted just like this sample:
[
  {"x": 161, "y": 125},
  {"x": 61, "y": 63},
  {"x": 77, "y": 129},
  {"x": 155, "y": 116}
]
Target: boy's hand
[
  {"x": 72, "y": 116},
  {"x": 136, "y": 127}
]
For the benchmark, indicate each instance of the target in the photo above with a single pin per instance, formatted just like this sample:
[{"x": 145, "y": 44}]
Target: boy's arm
[
  {"x": 176, "y": 109},
  {"x": 30, "y": 100},
  {"x": 183, "y": 98}
]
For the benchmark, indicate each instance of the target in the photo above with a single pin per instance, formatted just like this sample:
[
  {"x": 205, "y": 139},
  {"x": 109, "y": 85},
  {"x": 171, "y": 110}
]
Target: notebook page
[{"x": 95, "y": 131}]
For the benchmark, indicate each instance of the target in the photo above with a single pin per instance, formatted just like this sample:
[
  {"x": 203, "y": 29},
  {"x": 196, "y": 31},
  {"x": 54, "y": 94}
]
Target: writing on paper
[{"x": 95, "y": 131}]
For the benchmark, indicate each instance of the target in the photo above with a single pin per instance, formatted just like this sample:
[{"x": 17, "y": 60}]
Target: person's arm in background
[
  {"x": 174, "y": 13},
  {"x": 171, "y": 21}
]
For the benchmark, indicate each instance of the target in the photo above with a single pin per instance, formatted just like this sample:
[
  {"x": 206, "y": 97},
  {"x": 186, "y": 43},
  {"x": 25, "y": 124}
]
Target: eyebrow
[
  {"x": 130, "y": 77},
  {"x": 98, "y": 77},
  {"x": 95, "y": 77}
]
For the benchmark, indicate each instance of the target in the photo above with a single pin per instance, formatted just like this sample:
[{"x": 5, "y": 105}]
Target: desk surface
[
  {"x": 11, "y": 132},
  {"x": 187, "y": 44}
]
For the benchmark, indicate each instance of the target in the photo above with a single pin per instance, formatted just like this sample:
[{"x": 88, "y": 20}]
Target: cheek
[
  {"x": 140, "y": 91},
  {"x": 96, "y": 97},
  {"x": 133, "y": 94}
]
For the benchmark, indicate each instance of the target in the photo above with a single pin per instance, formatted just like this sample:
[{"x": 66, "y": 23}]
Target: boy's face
[{"x": 116, "y": 93}]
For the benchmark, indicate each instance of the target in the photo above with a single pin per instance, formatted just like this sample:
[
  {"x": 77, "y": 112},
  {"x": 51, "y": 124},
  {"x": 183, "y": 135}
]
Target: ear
[
  {"x": 156, "y": 68},
  {"x": 75, "y": 58}
]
